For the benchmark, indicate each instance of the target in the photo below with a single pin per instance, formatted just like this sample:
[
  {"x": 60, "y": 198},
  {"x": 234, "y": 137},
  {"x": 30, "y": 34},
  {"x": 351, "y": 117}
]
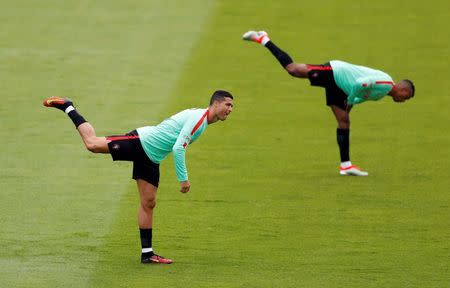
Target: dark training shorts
[
  {"x": 128, "y": 148},
  {"x": 322, "y": 76}
]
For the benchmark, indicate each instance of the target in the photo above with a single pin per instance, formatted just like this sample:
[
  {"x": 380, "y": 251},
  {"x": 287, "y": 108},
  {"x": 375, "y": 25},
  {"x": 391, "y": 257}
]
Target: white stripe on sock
[
  {"x": 146, "y": 250},
  {"x": 265, "y": 40},
  {"x": 346, "y": 164},
  {"x": 68, "y": 109}
]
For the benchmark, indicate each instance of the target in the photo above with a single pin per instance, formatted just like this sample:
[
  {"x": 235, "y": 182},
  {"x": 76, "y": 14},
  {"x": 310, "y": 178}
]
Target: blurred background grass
[{"x": 267, "y": 208}]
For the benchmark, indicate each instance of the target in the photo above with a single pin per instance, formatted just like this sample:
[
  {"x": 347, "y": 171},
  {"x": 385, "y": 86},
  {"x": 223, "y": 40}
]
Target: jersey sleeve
[
  {"x": 179, "y": 148},
  {"x": 369, "y": 88}
]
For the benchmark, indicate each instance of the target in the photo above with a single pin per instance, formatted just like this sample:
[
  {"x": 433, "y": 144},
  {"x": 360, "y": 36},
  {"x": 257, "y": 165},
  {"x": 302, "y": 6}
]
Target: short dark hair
[
  {"x": 220, "y": 96},
  {"x": 411, "y": 86}
]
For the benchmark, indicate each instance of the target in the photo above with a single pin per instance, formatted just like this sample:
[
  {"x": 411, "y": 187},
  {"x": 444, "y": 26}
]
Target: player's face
[
  {"x": 224, "y": 108},
  {"x": 402, "y": 92},
  {"x": 402, "y": 95}
]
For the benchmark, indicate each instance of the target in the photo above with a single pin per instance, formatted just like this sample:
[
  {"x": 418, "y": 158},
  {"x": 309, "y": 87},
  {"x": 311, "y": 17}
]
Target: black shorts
[
  {"x": 128, "y": 148},
  {"x": 322, "y": 76}
]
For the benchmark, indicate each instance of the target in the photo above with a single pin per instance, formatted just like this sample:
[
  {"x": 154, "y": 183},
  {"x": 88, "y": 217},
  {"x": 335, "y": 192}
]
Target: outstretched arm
[
  {"x": 179, "y": 158},
  {"x": 179, "y": 151}
]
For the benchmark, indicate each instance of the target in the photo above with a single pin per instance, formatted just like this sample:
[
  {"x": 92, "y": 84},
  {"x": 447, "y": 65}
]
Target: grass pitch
[{"x": 267, "y": 208}]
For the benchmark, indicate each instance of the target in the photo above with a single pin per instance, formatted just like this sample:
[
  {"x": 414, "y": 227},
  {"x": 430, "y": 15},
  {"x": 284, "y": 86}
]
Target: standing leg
[
  {"x": 147, "y": 195},
  {"x": 343, "y": 134},
  {"x": 343, "y": 139}
]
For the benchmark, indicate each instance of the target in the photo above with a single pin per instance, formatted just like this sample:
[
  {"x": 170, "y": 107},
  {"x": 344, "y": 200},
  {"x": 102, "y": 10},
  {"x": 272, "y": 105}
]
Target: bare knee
[
  {"x": 149, "y": 203},
  {"x": 93, "y": 146},
  {"x": 344, "y": 122},
  {"x": 290, "y": 68},
  {"x": 96, "y": 144},
  {"x": 297, "y": 70}
]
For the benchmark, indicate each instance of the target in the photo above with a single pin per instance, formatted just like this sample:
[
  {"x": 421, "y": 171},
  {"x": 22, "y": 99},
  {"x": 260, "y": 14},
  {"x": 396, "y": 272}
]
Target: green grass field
[{"x": 267, "y": 207}]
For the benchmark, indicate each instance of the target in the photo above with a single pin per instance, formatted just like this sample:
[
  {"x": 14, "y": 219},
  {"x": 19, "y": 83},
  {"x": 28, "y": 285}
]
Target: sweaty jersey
[
  {"x": 361, "y": 83},
  {"x": 174, "y": 135}
]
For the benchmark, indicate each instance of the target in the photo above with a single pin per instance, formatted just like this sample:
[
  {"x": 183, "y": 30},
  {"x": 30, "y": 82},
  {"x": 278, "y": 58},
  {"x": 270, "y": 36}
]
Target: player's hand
[{"x": 185, "y": 186}]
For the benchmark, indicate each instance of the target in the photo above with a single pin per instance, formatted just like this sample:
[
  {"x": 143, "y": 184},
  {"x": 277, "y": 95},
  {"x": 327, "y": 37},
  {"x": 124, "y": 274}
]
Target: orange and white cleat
[
  {"x": 259, "y": 37},
  {"x": 57, "y": 102},
  {"x": 156, "y": 259},
  {"x": 352, "y": 171}
]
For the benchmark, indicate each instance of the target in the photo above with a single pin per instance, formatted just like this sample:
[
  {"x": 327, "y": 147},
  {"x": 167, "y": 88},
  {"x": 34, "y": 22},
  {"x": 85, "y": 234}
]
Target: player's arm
[{"x": 179, "y": 153}]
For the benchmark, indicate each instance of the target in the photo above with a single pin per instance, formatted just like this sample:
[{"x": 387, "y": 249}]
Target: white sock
[
  {"x": 265, "y": 40},
  {"x": 68, "y": 109},
  {"x": 146, "y": 250},
  {"x": 346, "y": 164}
]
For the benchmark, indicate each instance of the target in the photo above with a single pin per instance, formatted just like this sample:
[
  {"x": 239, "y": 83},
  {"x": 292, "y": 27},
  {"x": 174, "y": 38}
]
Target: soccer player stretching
[
  {"x": 146, "y": 147},
  {"x": 345, "y": 85}
]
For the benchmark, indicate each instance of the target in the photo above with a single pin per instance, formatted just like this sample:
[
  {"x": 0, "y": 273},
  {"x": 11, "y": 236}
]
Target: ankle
[
  {"x": 346, "y": 164},
  {"x": 264, "y": 40}
]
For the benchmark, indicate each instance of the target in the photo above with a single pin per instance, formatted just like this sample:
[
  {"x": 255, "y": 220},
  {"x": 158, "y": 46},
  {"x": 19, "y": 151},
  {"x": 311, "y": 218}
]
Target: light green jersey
[
  {"x": 174, "y": 135},
  {"x": 361, "y": 83}
]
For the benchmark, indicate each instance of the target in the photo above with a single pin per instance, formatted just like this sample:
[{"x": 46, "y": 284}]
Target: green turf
[{"x": 267, "y": 208}]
